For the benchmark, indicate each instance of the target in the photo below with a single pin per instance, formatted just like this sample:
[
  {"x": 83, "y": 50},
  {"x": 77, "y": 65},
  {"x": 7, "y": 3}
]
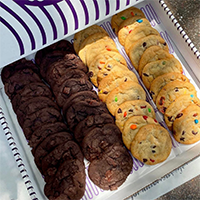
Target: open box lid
[{"x": 29, "y": 25}]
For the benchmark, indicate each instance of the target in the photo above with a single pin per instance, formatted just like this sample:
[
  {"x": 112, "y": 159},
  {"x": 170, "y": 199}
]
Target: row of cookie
[
  {"x": 87, "y": 118},
  {"x": 161, "y": 73},
  {"x": 56, "y": 154},
  {"x": 99, "y": 52},
  {"x": 124, "y": 97}
]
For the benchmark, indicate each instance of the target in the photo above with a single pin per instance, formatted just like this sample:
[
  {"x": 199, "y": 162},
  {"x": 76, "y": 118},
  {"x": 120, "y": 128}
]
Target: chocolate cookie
[
  {"x": 79, "y": 96},
  {"x": 44, "y": 131},
  {"x": 33, "y": 105},
  {"x": 19, "y": 80},
  {"x": 35, "y": 89},
  {"x": 69, "y": 87},
  {"x": 37, "y": 119},
  {"x": 63, "y": 46},
  {"x": 67, "y": 151},
  {"x": 112, "y": 168},
  {"x": 51, "y": 57},
  {"x": 92, "y": 121},
  {"x": 69, "y": 73},
  {"x": 10, "y": 69},
  {"x": 48, "y": 144},
  {"x": 80, "y": 110},
  {"x": 59, "y": 68},
  {"x": 68, "y": 182},
  {"x": 98, "y": 140}
]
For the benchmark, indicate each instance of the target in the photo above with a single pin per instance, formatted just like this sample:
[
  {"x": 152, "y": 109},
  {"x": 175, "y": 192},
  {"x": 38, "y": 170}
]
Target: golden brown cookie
[
  {"x": 177, "y": 106},
  {"x": 113, "y": 80},
  {"x": 152, "y": 144},
  {"x": 138, "y": 33},
  {"x": 127, "y": 91},
  {"x": 138, "y": 48},
  {"x": 151, "y": 54},
  {"x": 132, "y": 126},
  {"x": 171, "y": 91},
  {"x": 109, "y": 67},
  {"x": 157, "y": 68},
  {"x": 99, "y": 62},
  {"x": 83, "y": 34},
  {"x": 186, "y": 127},
  {"x": 132, "y": 108},
  {"x": 129, "y": 25},
  {"x": 118, "y": 18},
  {"x": 158, "y": 83},
  {"x": 90, "y": 41}
]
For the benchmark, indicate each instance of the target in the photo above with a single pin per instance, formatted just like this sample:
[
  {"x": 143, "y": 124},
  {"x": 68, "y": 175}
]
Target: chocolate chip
[
  {"x": 152, "y": 93},
  {"x": 183, "y": 132},
  {"x": 144, "y": 160},
  {"x": 145, "y": 74},
  {"x": 161, "y": 100},
  {"x": 105, "y": 92},
  {"x": 153, "y": 151},
  {"x": 119, "y": 110},
  {"x": 182, "y": 138},
  {"x": 144, "y": 44},
  {"x": 176, "y": 89},
  {"x": 165, "y": 44},
  {"x": 154, "y": 146},
  {"x": 170, "y": 119},
  {"x": 66, "y": 90},
  {"x": 130, "y": 110},
  {"x": 195, "y": 114},
  {"x": 125, "y": 80},
  {"x": 179, "y": 115},
  {"x": 193, "y": 132},
  {"x": 90, "y": 74}
]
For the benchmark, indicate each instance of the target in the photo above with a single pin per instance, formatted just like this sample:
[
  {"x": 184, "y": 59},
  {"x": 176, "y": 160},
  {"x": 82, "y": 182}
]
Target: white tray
[{"x": 29, "y": 37}]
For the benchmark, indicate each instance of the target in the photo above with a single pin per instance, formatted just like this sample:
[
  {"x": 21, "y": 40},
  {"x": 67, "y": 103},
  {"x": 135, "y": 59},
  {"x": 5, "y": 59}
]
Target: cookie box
[{"x": 28, "y": 26}]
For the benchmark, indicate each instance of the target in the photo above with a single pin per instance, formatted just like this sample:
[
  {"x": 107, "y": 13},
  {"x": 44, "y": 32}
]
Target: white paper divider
[{"x": 70, "y": 17}]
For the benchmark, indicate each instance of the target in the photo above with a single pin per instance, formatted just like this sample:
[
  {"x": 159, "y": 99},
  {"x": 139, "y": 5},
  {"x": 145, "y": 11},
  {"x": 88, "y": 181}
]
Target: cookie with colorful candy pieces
[
  {"x": 118, "y": 18},
  {"x": 99, "y": 40},
  {"x": 158, "y": 83},
  {"x": 138, "y": 33},
  {"x": 84, "y": 34},
  {"x": 132, "y": 126},
  {"x": 116, "y": 76},
  {"x": 100, "y": 61},
  {"x": 157, "y": 68},
  {"x": 171, "y": 91},
  {"x": 186, "y": 127},
  {"x": 152, "y": 54},
  {"x": 129, "y": 25},
  {"x": 132, "y": 108},
  {"x": 177, "y": 106},
  {"x": 152, "y": 144},
  {"x": 127, "y": 91},
  {"x": 137, "y": 49}
]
